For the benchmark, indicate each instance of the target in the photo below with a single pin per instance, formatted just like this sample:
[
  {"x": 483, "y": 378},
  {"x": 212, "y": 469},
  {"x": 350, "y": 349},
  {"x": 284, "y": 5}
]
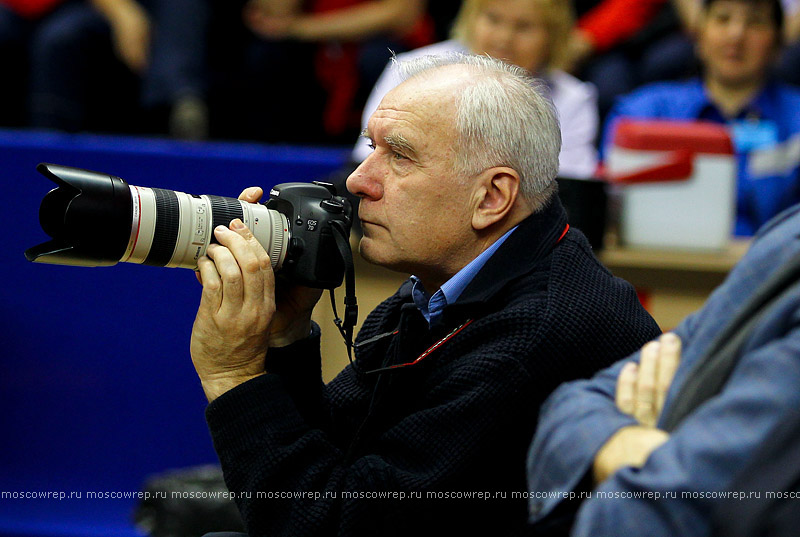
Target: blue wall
[{"x": 97, "y": 389}]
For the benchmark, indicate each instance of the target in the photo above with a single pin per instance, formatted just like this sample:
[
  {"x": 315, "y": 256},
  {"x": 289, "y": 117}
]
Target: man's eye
[{"x": 398, "y": 156}]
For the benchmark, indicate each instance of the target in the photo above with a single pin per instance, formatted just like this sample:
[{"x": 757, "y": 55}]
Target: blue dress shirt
[
  {"x": 432, "y": 306},
  {"x": 766, "y": 136}
]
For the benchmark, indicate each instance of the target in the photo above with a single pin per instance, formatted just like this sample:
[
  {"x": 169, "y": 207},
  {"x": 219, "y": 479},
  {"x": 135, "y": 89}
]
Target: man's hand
[
  {"x": 642, "y": 388},
  {"x": 641, "y": 391},
  {"x": 294, "y": 304},
  {"x": 629, "y": 446},
  {"x": 231, "y": 331},
  {"x": 241, "y": 314}
]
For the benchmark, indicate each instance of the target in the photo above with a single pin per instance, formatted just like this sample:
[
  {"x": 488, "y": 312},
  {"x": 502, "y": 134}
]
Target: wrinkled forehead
[
  {"x": 423, "y": 106},
  {"x": 436, "y": 89}
]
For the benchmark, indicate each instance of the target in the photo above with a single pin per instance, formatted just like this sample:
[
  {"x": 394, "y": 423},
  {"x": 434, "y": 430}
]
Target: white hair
[{"x": 503, "y": 118}]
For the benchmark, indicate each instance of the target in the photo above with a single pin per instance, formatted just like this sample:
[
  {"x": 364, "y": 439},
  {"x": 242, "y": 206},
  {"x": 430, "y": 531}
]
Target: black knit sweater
[{"x": 439, "y": 445}]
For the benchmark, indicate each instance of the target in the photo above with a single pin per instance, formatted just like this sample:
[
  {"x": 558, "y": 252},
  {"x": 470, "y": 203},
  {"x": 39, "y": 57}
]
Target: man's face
[
  {"x": 737, "y": 42},
  {"x": 514, "y": 31},
  {"x": 415, "y": 211}
]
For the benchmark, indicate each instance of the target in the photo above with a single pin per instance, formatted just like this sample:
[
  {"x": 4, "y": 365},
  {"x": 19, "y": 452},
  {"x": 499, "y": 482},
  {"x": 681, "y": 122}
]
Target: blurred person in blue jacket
[
  {"x": 654, "y": 445},
  {"x": 738, "y": 42}
]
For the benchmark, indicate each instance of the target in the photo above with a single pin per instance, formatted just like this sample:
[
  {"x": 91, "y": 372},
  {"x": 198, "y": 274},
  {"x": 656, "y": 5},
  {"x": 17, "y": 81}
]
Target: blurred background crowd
[{"x": 311, "y": 71}]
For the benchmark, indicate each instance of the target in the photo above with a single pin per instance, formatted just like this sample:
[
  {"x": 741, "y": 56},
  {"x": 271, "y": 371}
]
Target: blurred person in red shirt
[{"x": 335, "y": 49}]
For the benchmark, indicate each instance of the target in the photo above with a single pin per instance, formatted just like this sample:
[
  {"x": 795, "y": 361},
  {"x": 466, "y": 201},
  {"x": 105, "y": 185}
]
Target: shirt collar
[
  {"x": 762, "y": 106},
  {"x": 534, "y": 239},
  {"x": 431, "y": 307}
]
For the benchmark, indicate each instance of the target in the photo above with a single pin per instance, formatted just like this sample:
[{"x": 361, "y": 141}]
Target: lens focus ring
[
  {"x": 165, "y": 233},
  {"x": 277, "y": 249},
  {"x": 224, "y": 210}
]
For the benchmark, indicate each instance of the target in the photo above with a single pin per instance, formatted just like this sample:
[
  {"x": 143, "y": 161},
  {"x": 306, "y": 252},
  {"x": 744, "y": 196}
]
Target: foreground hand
[
  {"x": 629, "y": 446},
  {"x": 240, "y": 313},
  {"x": 230, "y": 333},
  {"x": 641, "y": 392},
  {"x": 294, "y": 304},
  {"x": 642, "y": 389}
]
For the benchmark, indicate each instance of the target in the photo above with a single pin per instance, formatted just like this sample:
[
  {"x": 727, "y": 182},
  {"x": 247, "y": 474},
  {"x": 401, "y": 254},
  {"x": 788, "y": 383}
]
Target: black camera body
[
  {"x": 96, "y": 219},
  {"x": 312, "y": 211}
]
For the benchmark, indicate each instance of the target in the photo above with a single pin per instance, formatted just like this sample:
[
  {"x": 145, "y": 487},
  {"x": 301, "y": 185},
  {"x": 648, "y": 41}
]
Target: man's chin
[
  {"x": 371, "y": 252},
  {"x": 367, "y": 250}
]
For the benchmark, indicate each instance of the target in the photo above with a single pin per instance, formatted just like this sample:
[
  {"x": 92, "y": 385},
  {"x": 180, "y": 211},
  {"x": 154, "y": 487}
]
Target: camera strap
[{"x": 345, "y": 326}]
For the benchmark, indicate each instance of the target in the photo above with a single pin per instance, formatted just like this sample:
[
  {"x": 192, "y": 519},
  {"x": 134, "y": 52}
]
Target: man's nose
[{"x": 362, "y": 182}]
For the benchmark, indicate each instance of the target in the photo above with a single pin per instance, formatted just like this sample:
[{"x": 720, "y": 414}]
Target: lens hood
[{"x": 88, "y": 215}]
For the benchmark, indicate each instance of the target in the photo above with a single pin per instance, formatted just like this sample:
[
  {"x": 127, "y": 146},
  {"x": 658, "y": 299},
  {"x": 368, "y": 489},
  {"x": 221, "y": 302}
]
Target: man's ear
[{"x": 495, "y": 196}]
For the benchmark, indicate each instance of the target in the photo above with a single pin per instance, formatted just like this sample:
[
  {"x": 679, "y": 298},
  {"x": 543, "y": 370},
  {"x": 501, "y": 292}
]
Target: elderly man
[{"x": 428, "y": 429}]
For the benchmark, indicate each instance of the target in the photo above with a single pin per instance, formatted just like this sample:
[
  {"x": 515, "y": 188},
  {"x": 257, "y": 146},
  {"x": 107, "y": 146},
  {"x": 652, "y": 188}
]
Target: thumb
[{"x": 251, "y": 194}]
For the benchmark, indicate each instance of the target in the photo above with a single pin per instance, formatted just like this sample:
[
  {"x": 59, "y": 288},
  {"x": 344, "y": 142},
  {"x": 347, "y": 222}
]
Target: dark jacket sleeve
[{"x": 293, "y": 477}]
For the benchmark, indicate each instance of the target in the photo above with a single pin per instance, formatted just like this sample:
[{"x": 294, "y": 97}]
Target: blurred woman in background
[{"x": 530, "y": 34}]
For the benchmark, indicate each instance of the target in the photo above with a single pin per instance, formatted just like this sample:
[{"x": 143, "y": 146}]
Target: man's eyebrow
[
  {"x": 395, "y": 141},
  {"x": 398, "y": 141}
]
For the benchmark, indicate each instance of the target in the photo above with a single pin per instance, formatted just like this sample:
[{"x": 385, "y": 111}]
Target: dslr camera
[{"x": 95, "y": 219}]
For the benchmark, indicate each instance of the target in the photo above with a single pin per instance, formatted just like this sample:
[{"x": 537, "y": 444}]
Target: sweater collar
[{"x": 533, "y": 239}]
